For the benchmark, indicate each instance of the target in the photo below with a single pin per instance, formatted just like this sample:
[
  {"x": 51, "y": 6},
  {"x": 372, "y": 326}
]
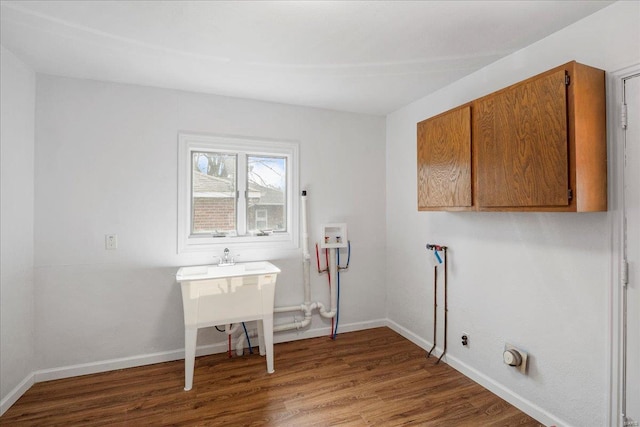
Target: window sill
[{"x": 209, "y": 244}]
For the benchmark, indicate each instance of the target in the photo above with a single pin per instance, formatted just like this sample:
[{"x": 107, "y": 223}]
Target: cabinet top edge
[
  {"x": 459, "y": 107},
  {"x": 568, "y": 66}
]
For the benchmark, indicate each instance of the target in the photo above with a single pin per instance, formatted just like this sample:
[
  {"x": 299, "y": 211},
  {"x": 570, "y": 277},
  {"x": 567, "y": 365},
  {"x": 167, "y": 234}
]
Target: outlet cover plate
[
  {"x": 465, "y": 334},
  {"x": 111, "y": 241}
]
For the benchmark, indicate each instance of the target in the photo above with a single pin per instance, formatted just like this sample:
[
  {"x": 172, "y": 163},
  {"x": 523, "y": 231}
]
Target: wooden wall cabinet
[
  {"x": 538, "y": 145},
  {"x": 444, "y": 161}
]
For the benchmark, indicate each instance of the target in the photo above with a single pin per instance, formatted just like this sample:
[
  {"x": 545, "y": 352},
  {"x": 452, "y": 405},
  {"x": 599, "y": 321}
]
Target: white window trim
[{"x": 189, "y": 142}]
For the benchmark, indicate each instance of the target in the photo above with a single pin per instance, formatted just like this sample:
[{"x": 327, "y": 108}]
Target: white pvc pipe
[
  {"x": 300, "y": 307},
  {"x": 307, "y": 307},
  {"x": 306, "y": 271},
  {"x": 305, "y": 230},
  {"x": 241, "y": 338},
  {"x": 333, "y": 274},
  {"x": 298, "y": 324},
  {"x": 305, "y": 251},
  {"x": 233, "y": 329}
]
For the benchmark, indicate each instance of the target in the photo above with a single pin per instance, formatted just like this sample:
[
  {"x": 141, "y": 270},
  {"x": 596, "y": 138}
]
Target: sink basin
[
  {"x": 202, "y": 272},
  {"x": 219, "y": 295}
]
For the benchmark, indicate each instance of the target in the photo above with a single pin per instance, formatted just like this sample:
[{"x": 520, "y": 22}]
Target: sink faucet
[{"x": 226, "y": 259}]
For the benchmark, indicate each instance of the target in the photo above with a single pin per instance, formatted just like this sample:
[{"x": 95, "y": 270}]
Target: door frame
[{"x": 615, "y": 152}]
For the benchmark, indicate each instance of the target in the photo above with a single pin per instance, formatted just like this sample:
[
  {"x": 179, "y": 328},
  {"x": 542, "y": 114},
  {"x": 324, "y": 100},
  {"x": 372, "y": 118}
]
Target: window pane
[
  {"x": 266, "y": 198},
  {"x": 213, "y": 193}
]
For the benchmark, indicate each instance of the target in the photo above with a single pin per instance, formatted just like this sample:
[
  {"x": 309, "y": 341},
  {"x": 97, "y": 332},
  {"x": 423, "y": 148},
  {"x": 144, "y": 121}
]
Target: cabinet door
[
  {"x": 521, "y": 145},
  {"x": 444, "y": 160}
]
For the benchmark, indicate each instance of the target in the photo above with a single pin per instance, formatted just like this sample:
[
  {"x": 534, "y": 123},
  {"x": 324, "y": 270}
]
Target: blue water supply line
[{"x": 335, "y": 330}]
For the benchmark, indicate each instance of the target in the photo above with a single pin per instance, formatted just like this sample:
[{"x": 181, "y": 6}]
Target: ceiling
[{"x": 359, "y": 56}]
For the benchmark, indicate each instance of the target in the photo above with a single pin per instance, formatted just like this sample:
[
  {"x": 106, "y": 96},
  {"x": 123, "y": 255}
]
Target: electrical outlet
[
  {"x": 464, "y": 339},
  {"x": 111, "y": 241}
]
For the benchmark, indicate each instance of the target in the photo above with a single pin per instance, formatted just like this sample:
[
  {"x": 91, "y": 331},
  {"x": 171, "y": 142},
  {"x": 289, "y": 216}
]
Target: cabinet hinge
[
  {"x": 623, "y": 116},
  {"x": 570, "y": 194},
  {"x": 567, "y": 79}
]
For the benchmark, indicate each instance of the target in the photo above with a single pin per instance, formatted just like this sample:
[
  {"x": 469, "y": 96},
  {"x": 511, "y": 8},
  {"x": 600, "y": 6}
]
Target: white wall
[
  {"x": 106, "y": 159},
  {"x": 106, "y": 162},
  {"x": 17, "y": 110},
  {"x": 537, "y": 280}
]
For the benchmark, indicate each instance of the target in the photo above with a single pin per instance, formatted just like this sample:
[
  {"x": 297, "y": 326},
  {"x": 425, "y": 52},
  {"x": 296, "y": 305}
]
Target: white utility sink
[
  {"x": 219, "y": 295},
  {"x": 200, "y": 272}
]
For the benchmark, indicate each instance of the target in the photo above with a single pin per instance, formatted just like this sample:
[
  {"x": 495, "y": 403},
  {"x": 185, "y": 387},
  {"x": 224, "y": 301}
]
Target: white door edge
[{"x": 615, "y": 153}]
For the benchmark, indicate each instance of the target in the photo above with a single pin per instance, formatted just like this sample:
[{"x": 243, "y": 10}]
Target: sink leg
[
  {"x": 260, "y": 329},
  {"x": 190, "y": 337},
  {"x": 267, "y": 324}
]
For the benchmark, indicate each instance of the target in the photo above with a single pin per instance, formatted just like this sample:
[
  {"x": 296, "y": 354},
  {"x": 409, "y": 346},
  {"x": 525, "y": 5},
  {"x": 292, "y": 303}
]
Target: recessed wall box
[{"x": 333, "y": 236}]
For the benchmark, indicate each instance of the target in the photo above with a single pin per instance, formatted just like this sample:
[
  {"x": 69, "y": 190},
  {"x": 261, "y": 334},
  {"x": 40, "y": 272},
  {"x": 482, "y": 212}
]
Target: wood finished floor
[{"x": 367, "y": 378}]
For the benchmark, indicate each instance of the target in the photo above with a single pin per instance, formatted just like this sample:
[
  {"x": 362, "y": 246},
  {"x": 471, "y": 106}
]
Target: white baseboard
[
  {"x": 15, "y": 394},
  {"x": 165, "y": 356},
  {"x": 496, "y": 388},
  {"x": 420, "y": 342},
  {"x": 148, "y": 359},
  {"x": 122, "y": 363},
  {"x": 500, "y": 390},
  {"x": 294, "y": 335}
]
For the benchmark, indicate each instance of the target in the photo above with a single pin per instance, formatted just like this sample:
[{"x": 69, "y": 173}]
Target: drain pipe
[
  {"x": 307, "y": 307},
  {"x": 306, "y": 273},
  {"x": 333, "y": 274},
  {"x": 296, "y": 324}
]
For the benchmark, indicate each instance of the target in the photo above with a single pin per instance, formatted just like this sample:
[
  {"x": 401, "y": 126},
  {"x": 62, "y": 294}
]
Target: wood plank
[{"x": 373, "y": 377}]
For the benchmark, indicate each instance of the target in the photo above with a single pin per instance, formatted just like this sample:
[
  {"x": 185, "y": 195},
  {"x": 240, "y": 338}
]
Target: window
[{"x": 236, "y": 191}]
